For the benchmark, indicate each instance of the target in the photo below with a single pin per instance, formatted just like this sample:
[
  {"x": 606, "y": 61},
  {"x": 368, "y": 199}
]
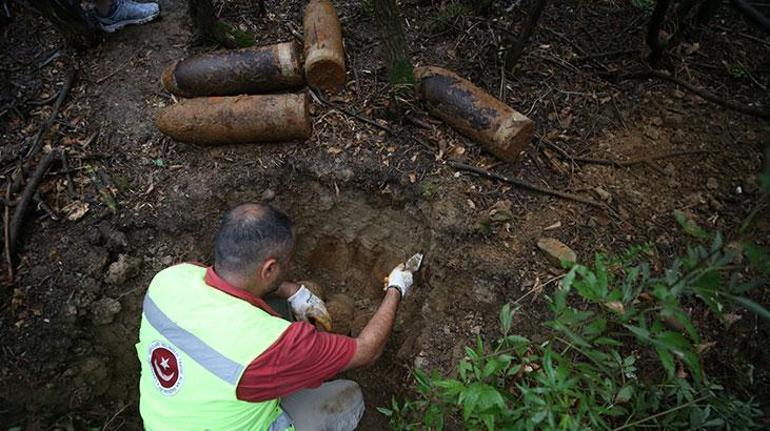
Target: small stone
[
  {"x": 268, "y": 195},
  {"x": 603, "y": 194},
  {"x": 166, "y": 260},
  {"x": 556, "y": 250},
  {"x": 712, "y": 183},
  {"x": 123, "y": 269},
  {"x": 104, "y": 311}
]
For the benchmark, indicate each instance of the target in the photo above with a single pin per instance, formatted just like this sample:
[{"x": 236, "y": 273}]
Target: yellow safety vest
[{"x": 195, "y": 342}]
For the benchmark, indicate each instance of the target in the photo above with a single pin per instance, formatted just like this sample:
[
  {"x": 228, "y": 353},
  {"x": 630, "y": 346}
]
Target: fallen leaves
[{"x": 76, "y": 210}]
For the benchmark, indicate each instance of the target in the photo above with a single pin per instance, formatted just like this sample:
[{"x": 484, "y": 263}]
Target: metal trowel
[{"x": 413, "y": 264}]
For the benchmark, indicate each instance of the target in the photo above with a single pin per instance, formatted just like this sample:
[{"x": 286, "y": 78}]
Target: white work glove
[
  {"x": 400, "y": 279},
  {"x": 305, "y": 306}
]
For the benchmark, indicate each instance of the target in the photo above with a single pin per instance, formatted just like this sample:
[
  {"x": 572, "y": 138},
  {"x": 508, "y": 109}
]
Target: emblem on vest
[{"x": 166, "y": 366}]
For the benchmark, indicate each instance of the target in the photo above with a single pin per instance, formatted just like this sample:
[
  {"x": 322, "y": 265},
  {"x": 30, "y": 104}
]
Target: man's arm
[{"x": 371, "y": 341}]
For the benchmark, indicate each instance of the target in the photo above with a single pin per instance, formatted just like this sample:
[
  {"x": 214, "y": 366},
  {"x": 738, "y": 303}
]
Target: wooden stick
[
  {"x": 7, "y": 234},
  {"x": 626, "y": 163},
  {"x": 26, "y": 197},
  {"x": 752, "y": 14},
  {"x": 524, "y": 184},
  {"x": 66, "y": 166},
  {"x": 533, "y": 17},
  {"x": 765, "y": 114},
  {"x": 70, "y": 78}
]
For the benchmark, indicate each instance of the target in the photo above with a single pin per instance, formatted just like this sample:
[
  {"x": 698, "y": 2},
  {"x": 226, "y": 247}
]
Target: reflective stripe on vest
[{"x": 208, "y": 358}]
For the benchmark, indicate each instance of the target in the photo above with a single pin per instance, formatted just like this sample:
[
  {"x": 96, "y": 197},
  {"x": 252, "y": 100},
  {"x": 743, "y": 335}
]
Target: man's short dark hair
[{"x": 248, "y": 235}]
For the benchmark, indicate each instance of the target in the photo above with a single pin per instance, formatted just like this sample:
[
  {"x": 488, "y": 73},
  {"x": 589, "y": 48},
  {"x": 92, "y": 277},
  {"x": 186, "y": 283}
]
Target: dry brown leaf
[{"x": 76, "y": 210}]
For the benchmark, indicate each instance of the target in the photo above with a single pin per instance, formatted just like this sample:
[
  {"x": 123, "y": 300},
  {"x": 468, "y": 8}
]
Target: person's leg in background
[
  {"x": 113, "y": 15},
  {"x": 337, "y": 405}
]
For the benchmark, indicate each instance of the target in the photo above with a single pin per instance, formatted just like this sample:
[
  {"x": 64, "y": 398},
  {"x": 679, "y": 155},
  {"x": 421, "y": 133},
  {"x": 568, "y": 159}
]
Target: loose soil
[{"x": 363, "y": 199}]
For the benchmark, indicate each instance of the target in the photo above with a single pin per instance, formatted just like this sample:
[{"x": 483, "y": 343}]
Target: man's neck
[{"x": 239, "y": 282}]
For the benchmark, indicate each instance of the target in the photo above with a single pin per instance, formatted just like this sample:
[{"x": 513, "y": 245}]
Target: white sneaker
[{"x": 128, "y": 12}]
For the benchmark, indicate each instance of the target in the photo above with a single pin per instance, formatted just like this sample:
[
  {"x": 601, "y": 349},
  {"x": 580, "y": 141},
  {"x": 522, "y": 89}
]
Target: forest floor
[{"x": 364, "y": 199}]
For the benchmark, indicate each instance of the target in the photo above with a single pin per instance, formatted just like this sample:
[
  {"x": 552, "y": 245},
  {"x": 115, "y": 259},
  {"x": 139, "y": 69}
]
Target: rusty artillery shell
[
  {"x": 243, "y": 71},
  {"x": 340, "y": 307},
  {"x": 324, "y": 54},
  {"x": 475, "y": 113},
  {"x": 237, "y": 119}
]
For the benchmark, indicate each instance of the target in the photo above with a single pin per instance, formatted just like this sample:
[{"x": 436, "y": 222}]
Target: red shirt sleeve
[{"x": 301, "y": 358}]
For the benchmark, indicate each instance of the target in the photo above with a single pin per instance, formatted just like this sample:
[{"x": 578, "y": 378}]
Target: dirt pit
[{"x": 348, "y": 239}]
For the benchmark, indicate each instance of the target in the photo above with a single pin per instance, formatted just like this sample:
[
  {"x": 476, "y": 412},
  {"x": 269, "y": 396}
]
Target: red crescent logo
[{"x": 165, "y": 366}]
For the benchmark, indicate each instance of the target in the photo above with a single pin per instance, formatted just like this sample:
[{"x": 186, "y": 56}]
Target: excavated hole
[{"x": 348, "y": 241}]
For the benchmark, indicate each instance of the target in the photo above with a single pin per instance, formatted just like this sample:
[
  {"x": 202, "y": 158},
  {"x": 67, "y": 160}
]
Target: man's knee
[
  {"x": 345, "y": 398},
  {"x": 337, "y": 405}
]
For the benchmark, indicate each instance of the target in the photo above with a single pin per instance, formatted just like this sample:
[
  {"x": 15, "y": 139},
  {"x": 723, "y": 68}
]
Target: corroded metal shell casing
[
  {"x": 253, "y": 70},
  {"x": 475, "y": 113},
  {"x": 324, "y": 54},
  {"x": 238, "y": 119}
]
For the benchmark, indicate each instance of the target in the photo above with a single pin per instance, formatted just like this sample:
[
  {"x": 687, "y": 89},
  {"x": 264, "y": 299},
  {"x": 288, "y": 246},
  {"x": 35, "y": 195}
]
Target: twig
[
  {"x": 44, "y": 206},
  {"x": 70, "y": 78},
  {"x": 116, "y": 70},
  {"x": 121, "y": 410},
  {"x": 26, "y": 198},
  {"x": 320, "y": 98},
  {"x": 512, "y": 57},
  {"x": 657, "y": 415},
  {"x": 524, "y": 184},
  {"x": 7, "y": 234},
  {"x": 645, "y": 160},
  {"x": 752, "y": 14},
  {"x": 765, "y": 114},
  {"x": 66, "y": 167},
  {"x": 599, "y": 55}
]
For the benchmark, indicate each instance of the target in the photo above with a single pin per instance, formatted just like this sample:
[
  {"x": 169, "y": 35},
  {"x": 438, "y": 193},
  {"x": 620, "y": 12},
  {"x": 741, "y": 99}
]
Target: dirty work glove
[
  {"x": 400, "y": 279},
  {"x": 305, "y": 306}
]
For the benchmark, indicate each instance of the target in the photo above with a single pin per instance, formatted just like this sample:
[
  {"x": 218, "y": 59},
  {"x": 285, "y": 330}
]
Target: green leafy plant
[
  {"x": 620, "y": 352},
  {"x": 645, "y": 6}
]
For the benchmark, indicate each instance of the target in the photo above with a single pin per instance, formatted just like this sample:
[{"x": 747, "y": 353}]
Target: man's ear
[{"x": 269, "y": 269}]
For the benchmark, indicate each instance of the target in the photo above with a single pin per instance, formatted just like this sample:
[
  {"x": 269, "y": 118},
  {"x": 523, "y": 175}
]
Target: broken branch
[
  {"x": 640, "y": 160},
  {"x": 26, "y": 198},
  {"x": 68, "y": 80},
  {"x": 710, "y": 97},
  {"x": 524, "y": 184}
]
